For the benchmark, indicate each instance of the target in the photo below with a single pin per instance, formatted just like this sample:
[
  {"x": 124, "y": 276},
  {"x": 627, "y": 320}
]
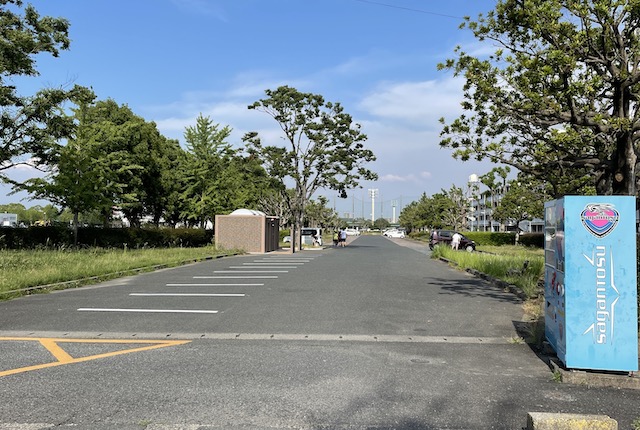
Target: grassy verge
[
  {"x": 501, "y": 262},
  {"x": 21, "y": 271}
]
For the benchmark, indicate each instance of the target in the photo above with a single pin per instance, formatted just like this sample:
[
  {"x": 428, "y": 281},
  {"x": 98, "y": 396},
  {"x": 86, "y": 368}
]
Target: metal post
[{"x": 372, "y": 194}]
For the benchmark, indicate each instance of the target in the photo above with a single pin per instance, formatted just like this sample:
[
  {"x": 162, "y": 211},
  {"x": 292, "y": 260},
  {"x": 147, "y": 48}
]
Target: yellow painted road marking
[
  {"x": 62, "y": 357},
  {"x": 59, "y": 353}
]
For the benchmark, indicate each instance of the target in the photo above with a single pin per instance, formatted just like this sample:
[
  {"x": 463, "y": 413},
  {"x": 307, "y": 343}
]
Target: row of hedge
[
  {"x": 488, "y": 238},
  {"x": 62, "y": 236}
]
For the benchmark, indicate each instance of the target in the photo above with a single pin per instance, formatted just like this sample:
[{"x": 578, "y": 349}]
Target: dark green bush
[
  {"x": 283, "y": 233},
  {"x": 489, "y": 238},
  {"x": 62, "y": 236},
  {"x": 420, "y": 235},
  {"x": 33, "y": 237},
  {"x": 532, "y": 239}
]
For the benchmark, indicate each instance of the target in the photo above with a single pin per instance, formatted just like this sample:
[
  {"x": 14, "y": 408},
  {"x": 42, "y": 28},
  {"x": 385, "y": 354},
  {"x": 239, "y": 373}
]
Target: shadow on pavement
[{"x": 474, "y": 288}]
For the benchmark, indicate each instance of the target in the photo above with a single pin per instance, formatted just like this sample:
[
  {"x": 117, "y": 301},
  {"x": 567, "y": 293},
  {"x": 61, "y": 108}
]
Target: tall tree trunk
[{"x": 624, "y": 175}]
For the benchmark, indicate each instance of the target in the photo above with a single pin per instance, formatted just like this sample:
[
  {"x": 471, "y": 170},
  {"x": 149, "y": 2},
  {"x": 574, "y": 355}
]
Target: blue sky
[{"x": 170, "y": 60}]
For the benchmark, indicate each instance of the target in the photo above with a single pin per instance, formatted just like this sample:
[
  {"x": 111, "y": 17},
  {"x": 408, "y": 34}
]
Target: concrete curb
[
  {"x": 551, "y": 421},
  {"x": 594, "y": 378}
]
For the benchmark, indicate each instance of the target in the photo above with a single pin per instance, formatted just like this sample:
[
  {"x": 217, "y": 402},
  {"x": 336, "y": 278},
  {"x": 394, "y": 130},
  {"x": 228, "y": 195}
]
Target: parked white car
[
  {"x": 395, "y": 233},
  {"x": 352, "y": 231}
]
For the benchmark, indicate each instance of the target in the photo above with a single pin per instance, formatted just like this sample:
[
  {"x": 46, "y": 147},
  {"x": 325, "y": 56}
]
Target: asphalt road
[{"x": 371, "y": 336}]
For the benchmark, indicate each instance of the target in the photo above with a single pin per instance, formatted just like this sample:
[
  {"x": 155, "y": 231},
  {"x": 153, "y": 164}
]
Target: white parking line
[
  {"x": 274, "y": 264},
  {"x": 282, "y": 260},
  {"x": 247, "y": 271},
  {"x": 214, "y": 285},
  {"x": 243, "y": 277},
  {"x": 187, "y": 294},
  {"x": 163, "y": 311}
]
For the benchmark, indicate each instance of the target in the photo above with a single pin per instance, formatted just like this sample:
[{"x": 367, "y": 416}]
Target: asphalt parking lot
[{"x": 374, "y": 335}]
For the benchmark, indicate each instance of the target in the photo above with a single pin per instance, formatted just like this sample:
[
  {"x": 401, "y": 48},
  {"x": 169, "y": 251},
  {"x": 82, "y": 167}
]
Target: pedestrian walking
[{"x": 343, "y": 238}]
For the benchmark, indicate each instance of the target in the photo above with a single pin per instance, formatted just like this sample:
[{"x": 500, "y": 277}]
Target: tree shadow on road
[{"x": 475, "y": 288}]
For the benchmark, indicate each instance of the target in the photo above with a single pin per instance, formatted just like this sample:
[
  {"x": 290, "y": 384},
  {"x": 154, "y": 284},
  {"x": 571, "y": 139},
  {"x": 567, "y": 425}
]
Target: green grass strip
[
  {"x": 23, "y": 271},
  {"x": 500, "y": 262}
]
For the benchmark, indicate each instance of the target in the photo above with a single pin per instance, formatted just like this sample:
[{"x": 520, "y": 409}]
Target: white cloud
[
  {"x": 417, "y": 104},
  {"x": 412, "y": 177}
]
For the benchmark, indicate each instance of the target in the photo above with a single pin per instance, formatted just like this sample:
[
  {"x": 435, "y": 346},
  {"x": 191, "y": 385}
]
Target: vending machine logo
[
  {"x": 606, "y": 295},
  {"x": 600, "y": 218}
]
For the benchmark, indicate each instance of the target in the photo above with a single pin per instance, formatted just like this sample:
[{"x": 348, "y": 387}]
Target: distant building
[
  {"x": 480, "y": 217},
  {"x": 8, "y": 220}
]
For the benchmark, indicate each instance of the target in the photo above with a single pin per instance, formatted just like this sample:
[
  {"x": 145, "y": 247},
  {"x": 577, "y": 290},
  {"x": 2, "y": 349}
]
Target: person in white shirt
[{"x": 455, "y": 240}]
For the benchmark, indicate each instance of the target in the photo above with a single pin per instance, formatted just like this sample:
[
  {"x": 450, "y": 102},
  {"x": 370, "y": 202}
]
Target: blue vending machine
[{"x": 591, "y": 306}]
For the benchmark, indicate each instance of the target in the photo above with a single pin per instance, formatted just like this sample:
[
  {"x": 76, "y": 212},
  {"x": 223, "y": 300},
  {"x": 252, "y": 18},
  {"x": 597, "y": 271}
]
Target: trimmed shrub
[
  {"x": 62, "y": 236},
  {"x": 283, "y": 233},
  {"x": 535, "y": 240},
  {"x": 420, "y": 235},
  {"x": 489, "y": 238}
]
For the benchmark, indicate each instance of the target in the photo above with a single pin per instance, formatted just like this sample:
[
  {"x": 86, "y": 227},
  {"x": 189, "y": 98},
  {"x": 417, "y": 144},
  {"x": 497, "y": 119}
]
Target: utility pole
[
  {"x": 394, "y": 203},
  {"x": 353, "y": 208},
  {"x": 372, "y": 193}
]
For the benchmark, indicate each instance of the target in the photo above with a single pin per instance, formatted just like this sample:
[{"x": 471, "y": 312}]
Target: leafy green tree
[
  {"x": 15, "y": 208},
  {"x": 558, "y": 98},
  {"x": 418, "y": 214},
  {"x": 33, "y": 214},
  {"x": 318, "y": 214},
  {"x": 523, "y": 201},
  {"x": 95, "y": 170},
  {"x": 381, "y": 223},
  {"x": 324, "y": 148},
  {"x": 142, "y": 161},
  {"x": 207, "y": 151},
  {"x": 451, "y": 208},
  {"x": 156, "y": 158},
  {"x": 243, "y": 182},
  {"x": 30, "y": 126}
]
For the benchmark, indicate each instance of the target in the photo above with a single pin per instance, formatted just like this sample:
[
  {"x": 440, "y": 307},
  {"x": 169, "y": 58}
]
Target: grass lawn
[
  {"x": 498, "y": 261},
  {"x": 21, "y": 271}
]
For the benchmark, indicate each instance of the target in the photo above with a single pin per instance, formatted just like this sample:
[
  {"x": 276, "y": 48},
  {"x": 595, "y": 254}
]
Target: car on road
[
  {"x": 352, "y": 231},
  {"x": 444, "y": 237},
  {"x": 310, "y": 236},
  {"x": 394, "y": 233}
]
